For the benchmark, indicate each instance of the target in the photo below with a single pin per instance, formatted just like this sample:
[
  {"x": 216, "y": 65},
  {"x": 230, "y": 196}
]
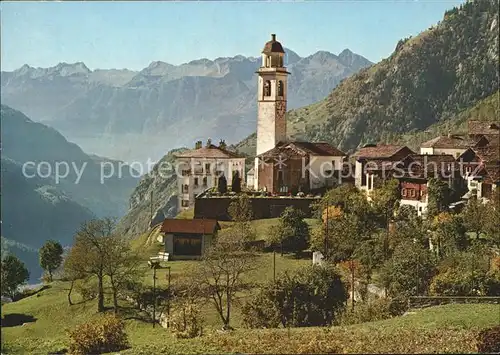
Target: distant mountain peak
[{"x": 65, "y": 69}]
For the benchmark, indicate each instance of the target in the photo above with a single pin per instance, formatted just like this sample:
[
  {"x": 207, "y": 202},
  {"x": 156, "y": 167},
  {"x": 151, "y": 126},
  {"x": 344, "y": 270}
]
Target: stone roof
[
  {"x": 488, "y": 154},
  {"x": 483, "y": 127},
  {"x": 450, "y": 142},
  {"x": 273, "y": 46},
  {"x": 303, "y": 149},
  {"x": 385, "y": 151},
  {"x": 211, "y": 151},
  {"x": 420, "y": 165},
  {"x": 194, "y": 226}
]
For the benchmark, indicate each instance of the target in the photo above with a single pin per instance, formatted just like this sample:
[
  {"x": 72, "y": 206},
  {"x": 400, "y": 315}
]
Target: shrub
[
  {"x": 488, "y": 340},
  {"x": 260, "y": 312},
  {"x": 377, "y": 309},
  {"x": 106, "y": 334},
  {"x": 187, "y": 321}
]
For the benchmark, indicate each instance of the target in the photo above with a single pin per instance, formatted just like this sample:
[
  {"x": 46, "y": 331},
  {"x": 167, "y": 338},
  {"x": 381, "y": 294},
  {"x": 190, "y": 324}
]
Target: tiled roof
[
  {"x": 195, "y": 226},
  {"x": 450, "y": 142},
  {"x": 492, "y": 173},
  {"x": 211, "y": 151},
  {"x": 379, "y": 151},
  {"x": 493, "y": 139},
  {"x": 483, "y": 127}
]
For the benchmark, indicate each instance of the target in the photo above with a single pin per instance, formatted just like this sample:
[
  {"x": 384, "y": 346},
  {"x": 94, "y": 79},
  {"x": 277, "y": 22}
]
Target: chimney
[
  {"x": 273, "y": 37},
  {"x": 197, "y": 145},
  {"x": 222, "y": 144},
  {"x": 209, "y": 142}
]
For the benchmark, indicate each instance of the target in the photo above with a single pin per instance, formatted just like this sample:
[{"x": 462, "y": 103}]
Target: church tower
[{"x": 271, "y": 99}]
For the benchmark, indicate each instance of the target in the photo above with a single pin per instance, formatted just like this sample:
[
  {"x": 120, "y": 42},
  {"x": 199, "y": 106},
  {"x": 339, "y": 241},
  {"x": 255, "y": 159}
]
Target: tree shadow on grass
[{"x": 16, "y": 319}]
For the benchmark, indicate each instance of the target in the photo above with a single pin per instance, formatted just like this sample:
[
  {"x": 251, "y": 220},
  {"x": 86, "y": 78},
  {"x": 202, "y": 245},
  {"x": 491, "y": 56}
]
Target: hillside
[
  {"x": 161, "y": 182},
  {"x": 51, "y": 215},
  {"x": 428, "y": 79},
  {"x": 25, "y": 141},
  {"x": 35, "y": 205},
  {"x": 139, "y": 115},
  {"x": 487, "y": 109}
]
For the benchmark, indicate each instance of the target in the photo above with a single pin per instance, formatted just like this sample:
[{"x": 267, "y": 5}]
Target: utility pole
[
  {"x": 154, "y": 294},
  {"x": 151, "y": 207},
  {"x": 274, "y": 266},
  {"x": 352, "y": 283},
  {"x": 168, "y": 300},
  {"x": 326, "y": 232}
]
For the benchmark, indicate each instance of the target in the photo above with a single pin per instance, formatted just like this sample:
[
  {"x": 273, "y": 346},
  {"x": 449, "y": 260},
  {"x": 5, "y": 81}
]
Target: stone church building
[{"x": 282, "y": 166}]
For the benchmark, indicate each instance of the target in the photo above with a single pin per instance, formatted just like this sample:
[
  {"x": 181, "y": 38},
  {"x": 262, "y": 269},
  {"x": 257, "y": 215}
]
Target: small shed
[{"x": 186, "y": 239}]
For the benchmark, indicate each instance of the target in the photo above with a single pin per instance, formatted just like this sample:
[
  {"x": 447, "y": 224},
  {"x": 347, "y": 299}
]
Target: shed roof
[{"x": 194, "y": 226}]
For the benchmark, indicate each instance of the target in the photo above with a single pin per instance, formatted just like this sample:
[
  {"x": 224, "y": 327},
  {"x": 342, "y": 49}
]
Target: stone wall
[{"x": 262, "y": 207}]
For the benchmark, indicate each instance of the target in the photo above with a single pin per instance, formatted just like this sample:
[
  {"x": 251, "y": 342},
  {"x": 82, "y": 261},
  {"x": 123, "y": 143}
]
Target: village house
[
  {"x": 452, "y": 144},
  {"x": 187, "y": 238},
  {"x": 199, "y": 169},
  {"x": 418, "y": 169},
  {"x": 375, "y": 163},
  {"x": 481, "y": 169}
]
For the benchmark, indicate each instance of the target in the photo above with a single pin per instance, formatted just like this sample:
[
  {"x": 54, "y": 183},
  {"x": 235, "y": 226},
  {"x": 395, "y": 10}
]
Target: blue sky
[{"x": 133, "y": 34}]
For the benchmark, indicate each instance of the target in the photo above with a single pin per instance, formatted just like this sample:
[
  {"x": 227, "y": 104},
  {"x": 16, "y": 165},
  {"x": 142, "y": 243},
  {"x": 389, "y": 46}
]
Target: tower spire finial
[{"x": 273, "y": 36}]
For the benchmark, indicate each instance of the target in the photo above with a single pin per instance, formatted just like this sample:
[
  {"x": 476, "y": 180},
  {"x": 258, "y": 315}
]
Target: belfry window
[
  {"x": 267, "y": 88},
  {"x": 280, "y": 89}
]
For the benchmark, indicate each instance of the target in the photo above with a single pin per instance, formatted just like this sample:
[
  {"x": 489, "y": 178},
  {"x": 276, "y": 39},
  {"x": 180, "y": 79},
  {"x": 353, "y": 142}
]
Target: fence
[{"x": 426, "y": 301}]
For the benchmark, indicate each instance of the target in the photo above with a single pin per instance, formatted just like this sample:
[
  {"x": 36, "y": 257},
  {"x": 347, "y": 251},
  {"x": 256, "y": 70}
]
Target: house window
[
  {"x": 413, "y": 194},
  {"x": 280, "y": 88},
  {"x": 196, "y": 181},
  {"x": 187, "y": 244},
  {"x": 185, "y": 203},
  {"x": 404, "y": 192},
  {"x": 205, "y": 181},
  {"x": 267, "y": 88},
  {"x": 207, "y": 168},
  {"x": 185, "y": 188},
  {"x": 185, "y": 172}
]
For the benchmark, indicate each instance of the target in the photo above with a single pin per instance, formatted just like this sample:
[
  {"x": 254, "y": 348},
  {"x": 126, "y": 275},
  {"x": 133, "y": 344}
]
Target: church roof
[
  {"x": 273, "y": 46},
  {"x": 305, "y": 148}
]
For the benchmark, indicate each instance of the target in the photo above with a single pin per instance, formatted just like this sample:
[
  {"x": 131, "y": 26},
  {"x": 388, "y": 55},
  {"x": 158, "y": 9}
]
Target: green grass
[{"x": 449, "y": 328}]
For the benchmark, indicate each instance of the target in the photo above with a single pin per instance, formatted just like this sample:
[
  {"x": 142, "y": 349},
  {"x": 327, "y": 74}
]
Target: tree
[
  {"x": 409, "y": 270},
  {"x": 475, "y": 216},
  {"x": 220, "y": 274},
  {"x": 236, "y": 182},
  {"x": 240, "y": 210},
  {"x": 51, "y": 256},
  {"x": 292, "y": 232},
  {"x": 312, "y": 296},
  {"x": 121, "y": 265},
  {"x": 439, "y": 197},
  {"x": 14, "y": 274},
  {"x": 222, "y": 184},
  {"x": 449, "y": 234},
  {"x": 88, "y": 255}
]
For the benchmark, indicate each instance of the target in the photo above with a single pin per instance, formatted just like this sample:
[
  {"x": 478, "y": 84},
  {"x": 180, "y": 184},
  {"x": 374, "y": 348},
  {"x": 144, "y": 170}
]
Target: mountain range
[{"x": 138, "y": 115}]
